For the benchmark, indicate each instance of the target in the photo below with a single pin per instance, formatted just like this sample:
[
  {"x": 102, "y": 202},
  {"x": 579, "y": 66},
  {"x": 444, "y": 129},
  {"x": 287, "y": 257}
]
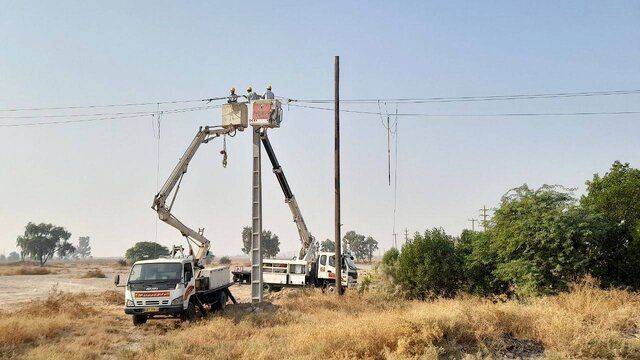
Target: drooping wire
[
  {"x": 395, "y": 181},
  {"x": 158, "y": 118}
]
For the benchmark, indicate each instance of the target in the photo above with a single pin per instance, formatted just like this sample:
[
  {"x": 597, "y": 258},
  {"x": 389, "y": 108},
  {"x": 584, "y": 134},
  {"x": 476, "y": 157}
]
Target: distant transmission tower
[{"x": 484, "y": 216}]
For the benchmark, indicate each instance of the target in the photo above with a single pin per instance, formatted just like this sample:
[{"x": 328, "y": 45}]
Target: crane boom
[
  {"x": 308, "y": 250},
  {"x": 203, "y": 136}
]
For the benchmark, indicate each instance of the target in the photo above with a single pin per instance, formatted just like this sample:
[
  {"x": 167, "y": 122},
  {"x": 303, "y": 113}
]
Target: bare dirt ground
[{"x": 65, "y": 277}]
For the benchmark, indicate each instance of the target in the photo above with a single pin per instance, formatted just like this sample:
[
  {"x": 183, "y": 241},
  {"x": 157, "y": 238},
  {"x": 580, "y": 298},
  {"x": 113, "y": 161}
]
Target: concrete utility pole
[
  {"x": 337, "y": 175},
  {"x": 483, "y": 214},
  {"x": 473, "y": 224},
  {"x": 256, "y": 218}
]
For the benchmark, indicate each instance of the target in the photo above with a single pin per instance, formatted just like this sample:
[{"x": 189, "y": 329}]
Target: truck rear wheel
[
  {"x": 266, "y": 288},
  {"x": 139, "y": 319}
]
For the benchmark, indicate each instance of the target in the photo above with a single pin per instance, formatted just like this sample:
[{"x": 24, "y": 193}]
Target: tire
[
  {"x": 139, "y": 320},
  {"x": 189, "y": 313},
  {"x": 266, "y": 288},
  {"x": 331, "y": 288},
  {"x": 276, "y": 288}
]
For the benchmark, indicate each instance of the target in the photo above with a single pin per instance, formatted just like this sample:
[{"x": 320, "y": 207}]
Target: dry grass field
[{"x": 585, "y": 323}]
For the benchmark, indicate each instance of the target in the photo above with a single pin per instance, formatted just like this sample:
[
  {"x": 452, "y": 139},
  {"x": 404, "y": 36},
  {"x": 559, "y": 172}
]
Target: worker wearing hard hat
[
  {"x": 251, "y": 95},
  {"x": 268, "y": 94},
  {"x": 232, "y": 96}
]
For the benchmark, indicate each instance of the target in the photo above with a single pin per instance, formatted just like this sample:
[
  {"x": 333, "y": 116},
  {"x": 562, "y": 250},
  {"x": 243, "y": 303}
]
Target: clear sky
[{"x": 98, "y": 178}]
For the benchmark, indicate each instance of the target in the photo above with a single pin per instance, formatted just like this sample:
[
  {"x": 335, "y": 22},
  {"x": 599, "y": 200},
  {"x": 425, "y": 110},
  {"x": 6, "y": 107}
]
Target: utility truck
[
  {"x": 179, "y": 286},
  {"x": 309, "y": 268}
]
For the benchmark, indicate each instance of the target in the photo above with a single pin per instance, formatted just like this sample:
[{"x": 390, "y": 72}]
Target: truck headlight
[
  {"x": 177, "y": 301},
  {"x": 130, "y": 303}
]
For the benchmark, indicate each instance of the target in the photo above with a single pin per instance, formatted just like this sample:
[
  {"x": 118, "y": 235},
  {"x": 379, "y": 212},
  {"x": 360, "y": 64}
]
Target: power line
[
  {"x": 475, "y": 98},
  {"x": 118, "y": 117},
  {"x": 104, "y": 106},
  {"x": 586, "y": 113}
]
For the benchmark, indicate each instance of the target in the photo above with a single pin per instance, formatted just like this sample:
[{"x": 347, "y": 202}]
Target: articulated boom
[
  {"x": 308, "y": 250},
  {"x": 203, "y": 136}
]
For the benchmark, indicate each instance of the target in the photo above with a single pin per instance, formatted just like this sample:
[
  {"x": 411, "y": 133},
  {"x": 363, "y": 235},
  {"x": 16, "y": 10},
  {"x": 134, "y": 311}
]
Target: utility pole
[
  {"x": 406, "y": 235},
  {"x": 337, "y": 174},
  {"x": 483, "y": 215},
  {"x": 256, "y": 220},
  {"x": 473, "y": 224}
]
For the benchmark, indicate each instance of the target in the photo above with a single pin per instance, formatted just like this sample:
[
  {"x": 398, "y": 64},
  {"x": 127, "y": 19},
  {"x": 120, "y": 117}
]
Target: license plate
[{"x": 152, "y": 309}]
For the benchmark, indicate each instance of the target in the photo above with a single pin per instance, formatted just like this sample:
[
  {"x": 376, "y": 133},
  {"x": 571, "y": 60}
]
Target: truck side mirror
[{"x": 116, "y": 280}]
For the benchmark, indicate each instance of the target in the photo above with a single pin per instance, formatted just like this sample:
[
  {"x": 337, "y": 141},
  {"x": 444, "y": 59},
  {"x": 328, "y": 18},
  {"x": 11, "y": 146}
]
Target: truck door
[{"x": 322, "y": 268}]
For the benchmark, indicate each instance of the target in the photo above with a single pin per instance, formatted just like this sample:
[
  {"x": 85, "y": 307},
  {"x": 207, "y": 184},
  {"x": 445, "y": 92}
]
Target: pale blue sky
[{"x": 98, "y": 179}]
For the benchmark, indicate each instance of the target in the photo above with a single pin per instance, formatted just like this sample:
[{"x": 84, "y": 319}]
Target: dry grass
[
  {"x": 585, "y": 323},
  {"x": 26, "y": 270},
  {"x": 94, "y": 273}
]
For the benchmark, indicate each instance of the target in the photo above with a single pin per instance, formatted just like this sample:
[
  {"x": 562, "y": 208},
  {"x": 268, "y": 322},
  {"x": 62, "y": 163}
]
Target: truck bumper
[{"x": 160, "y": 310}]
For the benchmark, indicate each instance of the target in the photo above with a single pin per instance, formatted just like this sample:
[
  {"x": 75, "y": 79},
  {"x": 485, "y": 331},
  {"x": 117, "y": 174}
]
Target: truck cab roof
[{"x": 165, "y": 260}]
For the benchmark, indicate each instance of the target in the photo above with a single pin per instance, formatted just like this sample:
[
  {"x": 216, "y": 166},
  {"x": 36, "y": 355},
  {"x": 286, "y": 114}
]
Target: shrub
[
  {"x": 95, "y": 273},
  {"x": 225, "y": 260},
  {"x": 390, "y": 257},
  {"x": 122, "y": 262},
  {"x": 428, "y": 266}
]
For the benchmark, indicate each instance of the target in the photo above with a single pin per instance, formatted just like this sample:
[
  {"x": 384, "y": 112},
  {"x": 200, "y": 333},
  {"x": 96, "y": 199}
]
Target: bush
[
  {"x": 95, "y": 273},
  {"x": 225, "y": 260},
  {"x": 122, "y": 262},
  {"x": 390, "y": 257},
  {"x": 428, "y": 266}
]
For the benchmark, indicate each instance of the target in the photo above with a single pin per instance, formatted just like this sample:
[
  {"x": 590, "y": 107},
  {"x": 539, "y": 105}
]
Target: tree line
[
  {"x": 537, "y": 242},
  {"x": 41, "y": 242}
]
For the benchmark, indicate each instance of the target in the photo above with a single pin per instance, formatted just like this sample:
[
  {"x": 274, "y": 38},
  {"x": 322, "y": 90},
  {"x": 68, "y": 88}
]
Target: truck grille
[{"x": 152, "y": 302}]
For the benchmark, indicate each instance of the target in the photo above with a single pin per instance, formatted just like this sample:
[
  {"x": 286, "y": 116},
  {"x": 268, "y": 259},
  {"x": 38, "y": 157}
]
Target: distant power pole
[
  {"x": 484, "y": 216},
  {"x": 337, "y": 175},
  {"x": 406, "y": 234},
  {"x": 473, "y": 224}
]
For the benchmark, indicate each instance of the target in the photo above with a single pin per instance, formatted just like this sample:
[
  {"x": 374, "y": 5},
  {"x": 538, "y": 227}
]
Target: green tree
[
  {"x": 225, "y": 260},
  {"x": 543, "y": 240},
  {"x": 3, "y": 258},
  {"x": 390, "y": 257},
  {"x": 355, "y": 243},
  {"x": 13, "y": 256},
  {"x": 145, "y": 250},
  {"x": 370, "y": 245},
  {"x": 616, "y": 196},
  {"x": 328, "y": 245},
  {"x": 42, "y": 241},
  {"x": 479, "y": 263},
  {"x": 270, "y": 242},
  {"x": 84, "y": 249},
  {"x": 428, "y": 266}
]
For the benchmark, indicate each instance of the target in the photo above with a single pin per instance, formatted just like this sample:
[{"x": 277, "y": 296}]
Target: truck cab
[
  {"x": 326, "y": 270},
  {"x": 173, "y": 287}
]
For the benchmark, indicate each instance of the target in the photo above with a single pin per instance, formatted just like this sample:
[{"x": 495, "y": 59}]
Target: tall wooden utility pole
[{"x": 337, "y": 176}]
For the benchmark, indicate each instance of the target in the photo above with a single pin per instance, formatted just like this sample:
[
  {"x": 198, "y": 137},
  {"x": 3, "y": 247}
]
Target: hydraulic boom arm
[
  {"x": 308, "y": 250},
  {"x": 203, "y": 136}
]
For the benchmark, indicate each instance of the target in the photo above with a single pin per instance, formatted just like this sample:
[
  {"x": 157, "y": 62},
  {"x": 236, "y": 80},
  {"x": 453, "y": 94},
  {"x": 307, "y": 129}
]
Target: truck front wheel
[
  {"x": 190, "y": 312},
  {"x": 139, "y": 320}
]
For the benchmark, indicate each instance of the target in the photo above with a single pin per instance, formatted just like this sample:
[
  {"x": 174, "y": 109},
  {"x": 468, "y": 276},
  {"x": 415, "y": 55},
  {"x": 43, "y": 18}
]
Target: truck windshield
[
  {"x": 350, "y": 263},
  {"x": 158, "y": 271}
]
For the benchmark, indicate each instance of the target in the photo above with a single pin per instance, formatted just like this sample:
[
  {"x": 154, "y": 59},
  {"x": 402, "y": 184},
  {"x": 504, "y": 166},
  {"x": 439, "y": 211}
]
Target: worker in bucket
[
  {"x": 251, "y": 95},
  {"x": 268, "y": 94},
  {"x": 232, "y": 96}
]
